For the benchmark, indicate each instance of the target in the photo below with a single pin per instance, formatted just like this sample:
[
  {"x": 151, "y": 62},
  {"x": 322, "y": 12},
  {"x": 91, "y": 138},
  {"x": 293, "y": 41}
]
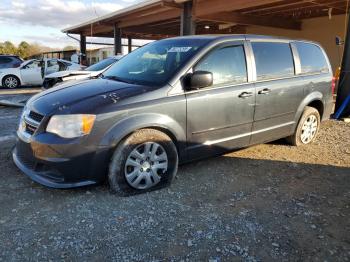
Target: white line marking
[{"x": 7, "y": 138}]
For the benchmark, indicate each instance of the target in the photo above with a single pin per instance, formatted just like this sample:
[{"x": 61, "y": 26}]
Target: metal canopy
[{"x": 157, "y": 19}]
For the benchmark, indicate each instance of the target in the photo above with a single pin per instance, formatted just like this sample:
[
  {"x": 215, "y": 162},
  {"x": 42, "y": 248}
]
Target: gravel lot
[{"x": 270, "y": 202}]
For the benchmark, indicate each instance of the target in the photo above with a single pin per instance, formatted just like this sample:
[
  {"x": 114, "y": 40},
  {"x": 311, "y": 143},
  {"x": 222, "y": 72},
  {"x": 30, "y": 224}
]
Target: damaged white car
[
  {"x": 32, "y": 72},
  {"x": 89, "y": 72}
]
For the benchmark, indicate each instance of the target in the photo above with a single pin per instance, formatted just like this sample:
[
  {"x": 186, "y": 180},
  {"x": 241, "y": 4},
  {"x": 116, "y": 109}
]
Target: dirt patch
[{"x": 270, "y": 202}]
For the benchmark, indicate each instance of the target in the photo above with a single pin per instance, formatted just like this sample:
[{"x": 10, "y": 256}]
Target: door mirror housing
[{"x": 198, "y": 79}]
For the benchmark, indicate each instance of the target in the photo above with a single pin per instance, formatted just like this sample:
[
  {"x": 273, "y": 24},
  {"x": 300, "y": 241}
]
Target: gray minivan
[{"x": 174, "y": 101}]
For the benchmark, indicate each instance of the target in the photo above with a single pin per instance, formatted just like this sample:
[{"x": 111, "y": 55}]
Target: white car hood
[{"x": 69, "y": 73}]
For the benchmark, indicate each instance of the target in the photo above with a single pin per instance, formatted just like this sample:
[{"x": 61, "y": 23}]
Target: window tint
[
  {"x": 5, "y": 62},
  {"x": 311, "y": 58},
  {"x": 273, "y": 60},
  {"x": 9, "y": 62},
  {"x": 227, "y": 64}
]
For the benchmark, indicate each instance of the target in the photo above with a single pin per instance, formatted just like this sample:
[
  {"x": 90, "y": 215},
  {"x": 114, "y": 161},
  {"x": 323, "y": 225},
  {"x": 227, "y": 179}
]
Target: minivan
[{"x": 170, "y": 102}]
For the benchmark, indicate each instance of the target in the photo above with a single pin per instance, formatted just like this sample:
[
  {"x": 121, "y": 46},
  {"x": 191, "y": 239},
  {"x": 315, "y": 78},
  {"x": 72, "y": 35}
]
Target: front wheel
[
  {"x": 11, "y": 82},
  {"x": 307, "y": 128},
  {"x": 144, "y": 161}
]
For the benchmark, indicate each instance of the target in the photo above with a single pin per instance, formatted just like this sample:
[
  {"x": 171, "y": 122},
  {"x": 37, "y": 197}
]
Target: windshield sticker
[{"x": 179, "y": 49}]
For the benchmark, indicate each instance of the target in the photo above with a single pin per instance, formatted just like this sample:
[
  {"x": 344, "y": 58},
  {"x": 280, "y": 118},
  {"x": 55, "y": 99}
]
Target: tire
[
  {"x": 11, "y": 82},
  {"x": 132, "y": 170},
  {"x": 308, "y": 127}
]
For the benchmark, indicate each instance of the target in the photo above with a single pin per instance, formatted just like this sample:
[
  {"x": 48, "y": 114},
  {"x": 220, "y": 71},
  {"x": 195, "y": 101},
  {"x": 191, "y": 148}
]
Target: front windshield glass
[
  {"x": 155, "y": 63},
  {"x": 101, "y": 65}
]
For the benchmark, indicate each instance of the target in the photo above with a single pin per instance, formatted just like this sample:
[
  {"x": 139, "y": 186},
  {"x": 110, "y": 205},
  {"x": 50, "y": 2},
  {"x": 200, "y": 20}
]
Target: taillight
[{"x": 334, "y": 81}]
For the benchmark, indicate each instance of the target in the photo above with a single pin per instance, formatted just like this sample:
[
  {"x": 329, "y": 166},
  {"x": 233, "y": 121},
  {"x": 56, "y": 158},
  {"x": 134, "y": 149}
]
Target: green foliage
[
  {"x": 69, "y": 47},
  {"x": 23, "y": 50}
]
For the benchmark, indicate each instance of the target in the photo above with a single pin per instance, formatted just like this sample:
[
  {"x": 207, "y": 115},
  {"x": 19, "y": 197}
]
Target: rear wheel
[
  {"x": 307, "y": 128},
  {"x": 11, "y": 82},
  {"x": 144, "y": 161}
]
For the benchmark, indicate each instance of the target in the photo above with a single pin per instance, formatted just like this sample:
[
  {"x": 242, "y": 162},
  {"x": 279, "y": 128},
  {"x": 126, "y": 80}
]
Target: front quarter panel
[{"x": 168, "y": 114}]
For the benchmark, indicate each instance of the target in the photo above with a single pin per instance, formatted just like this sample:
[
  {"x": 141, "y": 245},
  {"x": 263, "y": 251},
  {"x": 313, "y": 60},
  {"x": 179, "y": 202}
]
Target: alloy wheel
[{"x": 11, "y": 82}]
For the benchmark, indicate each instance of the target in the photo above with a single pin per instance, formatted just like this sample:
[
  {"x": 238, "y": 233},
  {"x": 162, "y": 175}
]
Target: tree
[
  {"x": 9, "y": 48},
  {"x": 69, "y": 47},
  {"x": 23, "y": 49}
]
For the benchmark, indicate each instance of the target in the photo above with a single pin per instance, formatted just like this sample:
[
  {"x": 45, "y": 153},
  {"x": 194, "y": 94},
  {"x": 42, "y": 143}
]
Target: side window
[
  {"x": 312, "y": 59},
  {"x": 33, "y": 64},
  {"x": 5, "y": 62},
  {"x": 273, "y": 60},
  {"x": 227, "y": 64}
]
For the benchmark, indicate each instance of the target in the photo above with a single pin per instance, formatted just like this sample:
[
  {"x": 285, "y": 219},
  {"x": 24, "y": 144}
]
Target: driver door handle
[
  {"x": 264, "y": 91},
  {"x": 245, "y": 94}
]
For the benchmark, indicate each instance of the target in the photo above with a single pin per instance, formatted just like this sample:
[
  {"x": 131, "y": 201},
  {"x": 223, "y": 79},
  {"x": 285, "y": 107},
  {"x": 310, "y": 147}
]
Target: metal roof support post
[
  {"x": 117, "y": 40},
  {"x": 129, "y": 44},
  {"x": 344, "y": 78},
  {"x": 82, "y": 49},
  {"x": 188, "y": 25}
]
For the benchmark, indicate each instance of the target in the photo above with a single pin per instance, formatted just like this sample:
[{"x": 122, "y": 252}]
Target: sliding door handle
[
  {"x": 245, "y": 94},
  {"x": 264, "y": 91}
]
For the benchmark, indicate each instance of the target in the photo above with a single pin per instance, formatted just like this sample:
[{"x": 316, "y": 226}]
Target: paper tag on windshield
[{"x": 179, "y": 49}]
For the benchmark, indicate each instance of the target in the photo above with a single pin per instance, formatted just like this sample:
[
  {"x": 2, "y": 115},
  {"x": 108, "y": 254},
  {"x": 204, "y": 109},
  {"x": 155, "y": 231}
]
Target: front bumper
[{"x": 59, "y": 169}]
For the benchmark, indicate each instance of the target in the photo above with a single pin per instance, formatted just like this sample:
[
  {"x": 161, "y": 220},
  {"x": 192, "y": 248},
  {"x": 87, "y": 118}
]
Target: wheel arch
[
  {"x": 159, "y": 122},
  {"x": 11, "y": 74},
  {"x": 315, "y": 100}
]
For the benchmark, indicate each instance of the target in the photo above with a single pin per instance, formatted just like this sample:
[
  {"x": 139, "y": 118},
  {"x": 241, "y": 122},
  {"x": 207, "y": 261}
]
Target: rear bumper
[
  {"x": 61, "y": 170},
  {"x": 328, "y": 110}
]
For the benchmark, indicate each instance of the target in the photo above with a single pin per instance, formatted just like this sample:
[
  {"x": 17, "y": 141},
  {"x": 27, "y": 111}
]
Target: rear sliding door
[{"x": 279, "y": 91}]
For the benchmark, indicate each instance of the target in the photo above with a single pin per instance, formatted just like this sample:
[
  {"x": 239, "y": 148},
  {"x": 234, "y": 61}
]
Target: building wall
[{"x": 322, "y": 30}]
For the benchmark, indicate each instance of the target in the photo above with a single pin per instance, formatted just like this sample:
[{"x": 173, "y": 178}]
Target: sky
[{"x": 41, "y": 21}]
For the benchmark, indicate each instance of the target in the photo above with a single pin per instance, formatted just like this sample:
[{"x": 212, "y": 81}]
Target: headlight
[{"x": 70, "y": 126}]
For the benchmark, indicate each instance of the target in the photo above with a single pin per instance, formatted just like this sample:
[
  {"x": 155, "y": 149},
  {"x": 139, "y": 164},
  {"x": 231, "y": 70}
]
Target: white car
[
  {"x": 32, "y": 72},
  {"x": 91, "y": 71}
]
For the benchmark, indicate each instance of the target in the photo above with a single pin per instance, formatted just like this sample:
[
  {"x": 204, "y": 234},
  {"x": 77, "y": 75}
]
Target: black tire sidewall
[
  {"x": 307, "y": 112},
  {"x": 4, "y": 80},
  {"x": 116, "y": 176}
]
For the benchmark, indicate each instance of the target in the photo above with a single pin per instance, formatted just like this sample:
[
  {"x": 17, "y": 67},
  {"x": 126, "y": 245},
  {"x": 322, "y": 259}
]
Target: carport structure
[{"x": 317, "y": 20}]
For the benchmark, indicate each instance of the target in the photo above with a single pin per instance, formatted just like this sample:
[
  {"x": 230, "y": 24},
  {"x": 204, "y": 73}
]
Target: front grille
[
  {"x": 31, "y": 122},
  {"x": 30, "y": 129},
  {"x": 35, "y": 116}
]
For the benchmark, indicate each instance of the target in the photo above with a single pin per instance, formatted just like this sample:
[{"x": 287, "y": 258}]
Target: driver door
[
  {"x": 220, "y": 117},
  {"x": 31, "y": 73}
]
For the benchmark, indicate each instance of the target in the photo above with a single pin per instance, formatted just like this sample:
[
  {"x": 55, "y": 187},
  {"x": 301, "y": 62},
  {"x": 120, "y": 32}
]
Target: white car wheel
[{"x": 11, "y": 82}]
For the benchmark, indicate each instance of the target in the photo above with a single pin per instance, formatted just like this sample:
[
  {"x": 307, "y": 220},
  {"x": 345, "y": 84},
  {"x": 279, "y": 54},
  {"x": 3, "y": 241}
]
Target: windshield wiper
[{"x": 116, "y": 78}]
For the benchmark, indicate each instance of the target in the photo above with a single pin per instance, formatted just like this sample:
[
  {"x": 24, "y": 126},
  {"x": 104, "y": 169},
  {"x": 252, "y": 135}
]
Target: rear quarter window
[
  {"x": 5, "y": 62},
  {"x": 273, "y": 60},
  {"x": 312, "y": 59}
]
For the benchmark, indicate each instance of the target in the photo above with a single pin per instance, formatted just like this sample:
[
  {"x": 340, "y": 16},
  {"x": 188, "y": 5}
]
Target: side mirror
[{"x": 198, "y": 79}]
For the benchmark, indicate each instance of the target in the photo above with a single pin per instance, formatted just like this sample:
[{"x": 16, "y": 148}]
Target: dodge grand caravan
[{"x": 170, "y": 102}]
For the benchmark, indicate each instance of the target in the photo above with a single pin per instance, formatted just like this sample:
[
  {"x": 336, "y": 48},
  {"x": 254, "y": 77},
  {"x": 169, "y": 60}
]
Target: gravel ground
[{"x": 270, "y": 202}]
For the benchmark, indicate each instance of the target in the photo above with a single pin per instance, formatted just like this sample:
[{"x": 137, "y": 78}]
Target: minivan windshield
[{"x": 155, "y": 63}]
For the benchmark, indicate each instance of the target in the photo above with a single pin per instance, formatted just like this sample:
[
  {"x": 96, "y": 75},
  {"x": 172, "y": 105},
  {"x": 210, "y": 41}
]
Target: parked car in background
[
  {"x": 68, "y": 75},
  {"x": 174, "y": 101},
  {"x": 32, "y": 72},
  {"x": 10, "y": 61}
]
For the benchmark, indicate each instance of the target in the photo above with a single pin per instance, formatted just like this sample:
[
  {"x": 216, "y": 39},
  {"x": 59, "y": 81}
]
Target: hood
[
  {"x": 83, "y": 96},
  {"x": 67, "y": 73}
]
